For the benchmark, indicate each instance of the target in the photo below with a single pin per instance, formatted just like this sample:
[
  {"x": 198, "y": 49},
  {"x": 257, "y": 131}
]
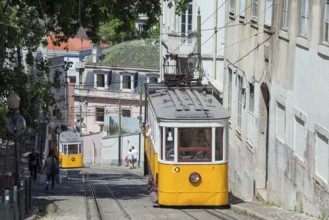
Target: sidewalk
[
  {"x": 261, "y": 211},
  {"x": 49, "y": 202}
]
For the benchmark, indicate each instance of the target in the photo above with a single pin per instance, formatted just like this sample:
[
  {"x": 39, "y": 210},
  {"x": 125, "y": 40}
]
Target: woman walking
[{"x": 52, "y": 169}]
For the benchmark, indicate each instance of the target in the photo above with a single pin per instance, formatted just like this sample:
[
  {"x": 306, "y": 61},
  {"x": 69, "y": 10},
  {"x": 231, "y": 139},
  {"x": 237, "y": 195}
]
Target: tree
[{"x": 24, "y": 26}]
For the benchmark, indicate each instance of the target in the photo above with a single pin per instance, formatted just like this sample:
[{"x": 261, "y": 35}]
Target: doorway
[{"x": 262, "y": 150}]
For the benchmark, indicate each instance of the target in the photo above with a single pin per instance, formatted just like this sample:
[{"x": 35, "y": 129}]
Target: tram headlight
[{"x": 195, "y": 177}]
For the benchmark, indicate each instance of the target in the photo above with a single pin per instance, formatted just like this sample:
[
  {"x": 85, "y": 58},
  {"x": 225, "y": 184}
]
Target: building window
[
  {"x": 326, "y": 23},
  {"x": 186, "y": 19},
  {"x": 229, "y": 98},
  {"x": 285, "y": 14},
  {"x": 303, "y": 25},
  {"x": 126, "y": 82},
  {"x": 240, "y": 101},
  {"x": 126, "y": 113},
  {"x": 254, "y": 9},
  {"x": 251, "y": 116},
  {"x": 280, "y": 128},
  {"x": 243, "y": 8},
  {"x": 321, "y": 157},
  {"x": 153, "y": 80},
  {"x": 100, "y": 80},
  {"x": 268, "y": 12},
  {"x": 299, "y": 137},
  {"x": 100, "y": 114}
]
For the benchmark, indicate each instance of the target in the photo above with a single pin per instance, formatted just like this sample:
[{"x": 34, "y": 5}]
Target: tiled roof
[{"x": 73, "y": 44}]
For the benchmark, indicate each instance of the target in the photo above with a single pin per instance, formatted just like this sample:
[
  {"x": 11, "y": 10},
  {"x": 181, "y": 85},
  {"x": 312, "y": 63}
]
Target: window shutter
[{"x": 136, "y": 80}]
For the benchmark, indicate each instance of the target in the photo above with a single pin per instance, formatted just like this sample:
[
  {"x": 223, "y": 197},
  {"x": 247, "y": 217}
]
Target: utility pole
[
  {"x": 80, "y": 130},
  {"x": 119, "y": 131},
  {"x": 140, "y": 122}
]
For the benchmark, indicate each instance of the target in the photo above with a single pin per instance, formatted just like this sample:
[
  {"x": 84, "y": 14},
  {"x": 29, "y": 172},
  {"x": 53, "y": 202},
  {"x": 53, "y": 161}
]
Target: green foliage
[
  {"x": 24, "y": 26},
  {"x": 111, "y": 31}
]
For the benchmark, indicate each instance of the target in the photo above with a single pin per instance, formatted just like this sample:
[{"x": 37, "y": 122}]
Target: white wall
[{"x": 110, "y": 149}]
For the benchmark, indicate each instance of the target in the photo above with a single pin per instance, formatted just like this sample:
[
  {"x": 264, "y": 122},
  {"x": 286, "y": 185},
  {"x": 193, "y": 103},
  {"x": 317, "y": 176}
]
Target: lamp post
[
  {"x": 58, "y": 132},
  {"x": 15, "y": 126}
]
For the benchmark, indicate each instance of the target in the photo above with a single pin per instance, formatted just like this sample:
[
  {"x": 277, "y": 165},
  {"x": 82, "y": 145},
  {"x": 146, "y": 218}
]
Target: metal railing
[{"x": 17, "y": 202}]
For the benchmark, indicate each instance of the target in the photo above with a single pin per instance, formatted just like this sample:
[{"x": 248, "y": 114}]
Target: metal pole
[
  {"x": 14, "y": 117},
  {"x": 140, "y": 122},
  {"x": 119, "y": 122},
  {"x": 6, "y": 205},
  {"x": 15, "y": 202}
]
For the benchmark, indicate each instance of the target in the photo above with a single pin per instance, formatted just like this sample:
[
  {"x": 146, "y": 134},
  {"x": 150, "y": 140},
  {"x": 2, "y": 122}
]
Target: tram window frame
[
  {"x": 168, "y": 144},
  {"x": 219, "y": 146},
  {"x": 188, "y": 152},
  {"x": 65, "y": 150}
]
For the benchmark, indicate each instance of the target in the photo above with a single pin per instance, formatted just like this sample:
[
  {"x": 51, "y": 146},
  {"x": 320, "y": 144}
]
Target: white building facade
[
  {"x": 179, "y": 38},
  {"x": 276, "y": 57}
]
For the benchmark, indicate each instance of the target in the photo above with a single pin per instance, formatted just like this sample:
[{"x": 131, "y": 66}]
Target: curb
[
  {"x": 33, "y": 215},
  {"x": 246, "y": 211}
]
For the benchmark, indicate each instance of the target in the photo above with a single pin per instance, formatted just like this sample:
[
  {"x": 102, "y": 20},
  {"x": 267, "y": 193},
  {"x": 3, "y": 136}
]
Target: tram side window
[
  {"x": 73, "y": 149},
  {"x": 169, "y": 144},
  {"x": 65, "y": 150},
  {"x": 194, "y": 144},
  {"x": 219, "y": 143}
]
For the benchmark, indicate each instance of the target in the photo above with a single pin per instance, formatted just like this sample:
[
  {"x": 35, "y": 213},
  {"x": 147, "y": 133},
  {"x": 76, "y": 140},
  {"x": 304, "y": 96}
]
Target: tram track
[
  {"x": 123, "y": 196},
  {"x": 100, "y": 195},
  {"x": 195, "y": 214},
  {"x": 219, "y": 214},
  {"x": 91, "y": 195}
]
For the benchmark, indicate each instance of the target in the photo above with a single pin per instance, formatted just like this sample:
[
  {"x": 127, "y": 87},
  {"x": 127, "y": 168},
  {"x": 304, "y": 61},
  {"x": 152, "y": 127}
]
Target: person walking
[
  {"x": 34, "y": 163},
  {"x": 52, "y": 169},
  {"x": 130, "y": 159},
  {"x": 135, "y": 156}
]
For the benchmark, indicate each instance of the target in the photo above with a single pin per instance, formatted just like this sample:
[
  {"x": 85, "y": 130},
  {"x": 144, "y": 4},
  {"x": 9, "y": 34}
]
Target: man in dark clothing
[{"x": 34, "y": 163}]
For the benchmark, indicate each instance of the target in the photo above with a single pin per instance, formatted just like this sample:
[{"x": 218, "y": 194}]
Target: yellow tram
[
  {"x": 70, "y": 149},
  {"x": 186, "y": 139}
]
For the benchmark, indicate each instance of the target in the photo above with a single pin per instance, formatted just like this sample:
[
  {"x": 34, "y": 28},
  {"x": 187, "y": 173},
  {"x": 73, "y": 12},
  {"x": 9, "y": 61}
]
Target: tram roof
[
  {"x": 70, "y": 136},
  {"x": 188, "y": 103}
]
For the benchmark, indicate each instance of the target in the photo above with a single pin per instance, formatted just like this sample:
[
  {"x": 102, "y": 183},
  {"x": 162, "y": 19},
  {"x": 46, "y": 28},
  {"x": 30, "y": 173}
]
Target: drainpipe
[{"x": 197, "y": 75}]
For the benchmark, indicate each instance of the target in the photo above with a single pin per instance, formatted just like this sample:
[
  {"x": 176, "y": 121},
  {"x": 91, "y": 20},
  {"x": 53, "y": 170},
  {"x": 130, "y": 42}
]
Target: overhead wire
[{"x": 225, "y": 26}]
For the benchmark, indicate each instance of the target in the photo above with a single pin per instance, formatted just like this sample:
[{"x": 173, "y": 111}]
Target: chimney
[{"x": 96, "y": 53}]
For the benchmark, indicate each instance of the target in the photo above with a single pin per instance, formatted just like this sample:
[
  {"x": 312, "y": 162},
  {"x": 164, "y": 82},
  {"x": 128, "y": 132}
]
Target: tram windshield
[
  {"x": 194, "y": 144},
  {"x": 72, "y": 149}
]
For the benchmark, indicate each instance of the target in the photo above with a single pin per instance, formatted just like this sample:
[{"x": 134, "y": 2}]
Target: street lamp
[
  {"x": 16, "y": 126},
  {"x": 58, "y": 132}
]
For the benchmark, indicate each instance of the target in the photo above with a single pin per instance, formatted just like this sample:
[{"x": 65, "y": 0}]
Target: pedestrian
[
  {"x": 130, "y": 159},
  {"x": 52, "y": 169},
  {"x": 34, "y": 163},
  {"x": 126, "y": 159},
  {"x": 135, "y": 156}
]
